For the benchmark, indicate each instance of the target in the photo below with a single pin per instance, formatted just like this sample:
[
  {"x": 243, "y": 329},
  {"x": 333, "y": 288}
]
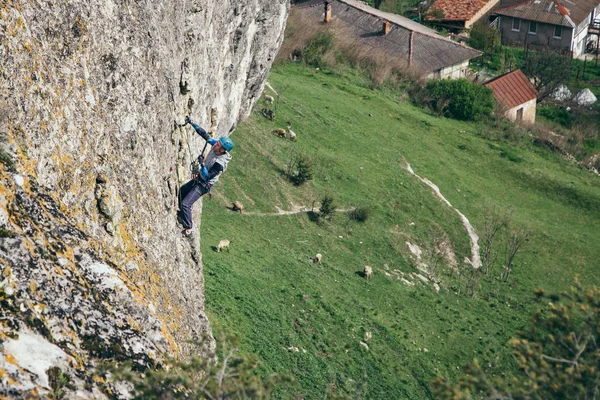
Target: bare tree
[
  {"x": 493, "y": 222},
  {"x": 516, "y": 240},
  {"x": 548, "y": 69}
]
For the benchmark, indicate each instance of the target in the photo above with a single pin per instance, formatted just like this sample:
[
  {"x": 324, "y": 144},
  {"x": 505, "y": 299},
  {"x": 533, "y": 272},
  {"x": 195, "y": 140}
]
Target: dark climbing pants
[{"x": 189, "y": 194}]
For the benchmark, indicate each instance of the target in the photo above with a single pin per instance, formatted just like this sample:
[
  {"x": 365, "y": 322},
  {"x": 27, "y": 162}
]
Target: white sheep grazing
[
  {"x": 318, "y": 258},
  {"x": 223, "y": 244},
  {"x": 368, "y": 272},
  {"x": 268, "y": 99},
  {"x": 292, "y": 133},
  {"x": 368, "y": 336}
]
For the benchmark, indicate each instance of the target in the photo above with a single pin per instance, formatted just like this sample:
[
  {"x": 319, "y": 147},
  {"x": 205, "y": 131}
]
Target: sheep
[
  {"x": 269, "y": 114},
  {"x": 368, "y": 272},
  {"x": 268, "y": 99},
  {"x": 368, "y": 336},
  {"x": 280, "y": 132},
  {"x": 237, "y": 206},
  {"x": 223, "y": 244},
  {"x": 292, "y": 133},
  {"x": 317, "y": 259}
]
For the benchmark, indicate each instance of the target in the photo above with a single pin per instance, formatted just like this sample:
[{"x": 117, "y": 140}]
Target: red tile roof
[
  {"x": 459, "y": 10},
  {"x": 512, "y": 89}
]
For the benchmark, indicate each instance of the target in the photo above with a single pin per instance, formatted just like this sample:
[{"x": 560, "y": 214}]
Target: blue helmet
[{"x": 226, "y": 143}]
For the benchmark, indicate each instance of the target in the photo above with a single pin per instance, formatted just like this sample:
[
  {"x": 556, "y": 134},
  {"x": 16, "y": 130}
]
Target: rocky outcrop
[{"x": 93, "y": 263}]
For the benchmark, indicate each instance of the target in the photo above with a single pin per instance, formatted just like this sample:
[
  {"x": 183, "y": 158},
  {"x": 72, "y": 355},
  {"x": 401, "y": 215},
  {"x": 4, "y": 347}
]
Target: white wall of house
[
  {"x": 455, "y": 71},
  {"x": 527, "y": 115},
  {"x": 580, "y": 37}
]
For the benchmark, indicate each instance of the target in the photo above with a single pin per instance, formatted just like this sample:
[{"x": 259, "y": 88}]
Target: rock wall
[{"x": 93, "y": 262}]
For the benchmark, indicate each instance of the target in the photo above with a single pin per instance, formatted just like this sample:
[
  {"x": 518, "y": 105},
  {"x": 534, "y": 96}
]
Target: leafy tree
[
  {"x": 558, "y": 356},
  {"x": 548, "y": 70},
  {"x": 299, "y": 168},
  {"x": 485, "y": 38},
  {"x": 327, "y": 209},
  {"x": 460, "y": 99}
]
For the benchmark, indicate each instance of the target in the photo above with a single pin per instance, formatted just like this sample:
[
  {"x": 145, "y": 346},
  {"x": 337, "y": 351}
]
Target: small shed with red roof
[{"x": 516, "y": 95}]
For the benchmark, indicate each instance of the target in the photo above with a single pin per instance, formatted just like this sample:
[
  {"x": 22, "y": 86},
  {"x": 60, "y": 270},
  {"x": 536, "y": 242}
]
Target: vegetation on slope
[{"x": 307, "y": 320}]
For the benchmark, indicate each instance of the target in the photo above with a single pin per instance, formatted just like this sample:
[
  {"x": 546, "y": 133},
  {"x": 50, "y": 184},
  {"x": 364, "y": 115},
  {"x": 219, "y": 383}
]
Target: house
[
  {"x": 516, "y": 95},
  {"x": 566, "y": 25},
  {"x": 421, "y": 49},
  {"x": 459, "y": 14}
]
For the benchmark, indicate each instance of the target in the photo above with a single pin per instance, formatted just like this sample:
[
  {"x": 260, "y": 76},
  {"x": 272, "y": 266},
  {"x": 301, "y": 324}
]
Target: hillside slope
[{"x": 308, "y": 320}]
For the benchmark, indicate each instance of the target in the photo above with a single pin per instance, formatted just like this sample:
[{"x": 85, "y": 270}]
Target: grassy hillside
[{"x": 267, "y": 291}]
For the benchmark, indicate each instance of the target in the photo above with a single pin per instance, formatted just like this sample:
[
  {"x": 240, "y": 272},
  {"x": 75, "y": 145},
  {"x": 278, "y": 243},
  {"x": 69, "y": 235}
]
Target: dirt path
[
  {"x": 475, "y": 260},
  {"x": 295, "y": 210}
]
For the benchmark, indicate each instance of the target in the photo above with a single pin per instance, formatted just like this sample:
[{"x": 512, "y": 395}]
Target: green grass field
[{"x": 268, "y": 292}]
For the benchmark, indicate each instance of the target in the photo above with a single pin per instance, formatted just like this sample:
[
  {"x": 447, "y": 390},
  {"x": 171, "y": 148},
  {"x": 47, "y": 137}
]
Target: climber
[{"x": 210, "y": 170}]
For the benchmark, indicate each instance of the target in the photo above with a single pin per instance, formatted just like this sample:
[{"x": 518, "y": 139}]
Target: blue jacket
[{"x": 214, "y": 164}]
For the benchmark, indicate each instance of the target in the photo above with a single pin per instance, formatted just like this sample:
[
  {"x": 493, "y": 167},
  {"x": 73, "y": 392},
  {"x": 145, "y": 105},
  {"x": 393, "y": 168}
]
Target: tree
[
  {"x": 557, "y": 356},
  {"x": 547, "y": 69},
  {"x": 460, "y": 99},
  {"x": 485, "y": 38}
]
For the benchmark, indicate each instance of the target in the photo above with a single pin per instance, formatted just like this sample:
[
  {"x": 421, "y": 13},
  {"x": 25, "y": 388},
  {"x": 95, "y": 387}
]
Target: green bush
[
  {"x": 460, "y": 99},
  {"x": 299, "y": 169},
  {"x": 316, "y": 48},
  {"x": 558, "y": 115},
  {"x": 327, "y": 209},
  {"x": 359, "y": 214},
  {"x": 485, "y": 38}
]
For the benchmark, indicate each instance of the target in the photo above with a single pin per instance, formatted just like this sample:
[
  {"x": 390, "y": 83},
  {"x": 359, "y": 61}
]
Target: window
[
  {"x": 516, "y": 24},
  {"x": 557, "y": 31},
  {"x": 520, "y": 115},
  {"x": 532, "y": 27}
]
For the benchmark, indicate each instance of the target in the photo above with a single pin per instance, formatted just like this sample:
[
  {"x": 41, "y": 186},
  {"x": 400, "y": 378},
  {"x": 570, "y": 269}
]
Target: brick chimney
[
  {"x": 386, "y": 27},
  {"x": 327, "y": 11}
]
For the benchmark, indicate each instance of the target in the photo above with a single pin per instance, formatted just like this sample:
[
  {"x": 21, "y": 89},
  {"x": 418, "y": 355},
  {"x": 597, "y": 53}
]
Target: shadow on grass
[{"x": 361, "y": 274}]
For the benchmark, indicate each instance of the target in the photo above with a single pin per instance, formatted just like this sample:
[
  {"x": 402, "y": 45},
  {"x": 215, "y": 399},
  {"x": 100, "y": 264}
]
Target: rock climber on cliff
[{"x": 211, "y": 169}]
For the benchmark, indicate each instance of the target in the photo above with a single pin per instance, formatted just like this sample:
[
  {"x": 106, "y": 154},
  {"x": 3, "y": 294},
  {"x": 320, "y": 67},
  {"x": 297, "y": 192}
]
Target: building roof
[
  {"x": 459, "y": 10},
  {"x": 430, "y": 51},
  {"x": 569, "y": 13},
  {"x": 512, "y": 89}
]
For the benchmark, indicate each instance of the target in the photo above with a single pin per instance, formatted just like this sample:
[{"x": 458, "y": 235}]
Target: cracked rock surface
[{"x": 93, "y": 264}]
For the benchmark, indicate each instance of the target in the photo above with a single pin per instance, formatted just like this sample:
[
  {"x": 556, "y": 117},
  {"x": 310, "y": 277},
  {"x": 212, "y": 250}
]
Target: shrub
[
  {"x": 316, "y": 48},
  {"x": 460, "y": 99},
  {"x": 359, "y": 214},
  {"x": 485, "y": 38},
  {"x": 229, "y": 374},
  {"x": 558, "y": 115},
  {"x": 327, "y": 209},
  {"x": 299, "y": 169},
  {"x": 557, "y": 355}
]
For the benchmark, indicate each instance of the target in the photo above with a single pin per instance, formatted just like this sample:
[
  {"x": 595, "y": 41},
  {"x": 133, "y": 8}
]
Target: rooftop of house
[
  {"x": 428, "y": 50},
  {"x": 567, "y": 13},
  {"x": 458, "y": 10},
  {"x": 512, "y": 89}
]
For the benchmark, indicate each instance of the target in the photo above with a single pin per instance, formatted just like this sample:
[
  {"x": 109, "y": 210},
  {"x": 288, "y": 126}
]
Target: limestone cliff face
[{"x": 93, "y": 262}]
